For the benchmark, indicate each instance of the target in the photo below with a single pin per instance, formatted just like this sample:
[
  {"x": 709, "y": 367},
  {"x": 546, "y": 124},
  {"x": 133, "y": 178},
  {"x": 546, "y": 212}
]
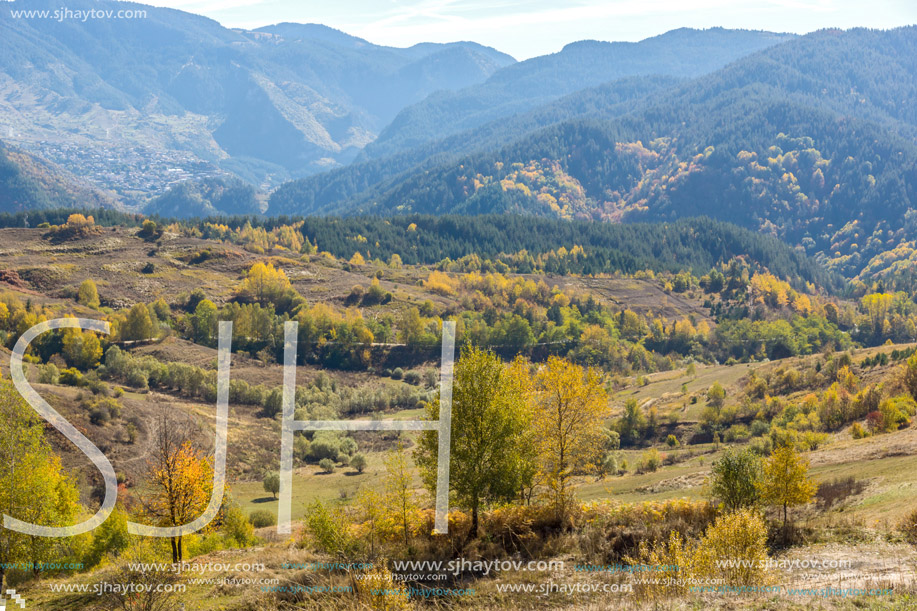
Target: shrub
[
  {"x": 358, "y": 462},
  {"x": 735, "y": 477},
  {"x": 348, "y": 447},
  {"x": 650, "y": 461},
  {"x": 48, "y": 374},
  {"x": 378, "y": 591},
  {"x": 326, "y": 528},
  {"x": 761, "y": 446},
  {"x": 327, "y": 465},
  {"x": 325, "y": 444},
  {"x": 734, "y": 549},
  {"x": 397, "y": 373},
  {"x": 671, "y": 441},
  {"x": 737, "y": 432},
  {"x": 671, "y": 560},
  {"x": 71, "y": 377},
  {"x": 88, "y": 294},
  {"x": 908, "y": 527},
  {"x": 610, "y": 464},
  {"x": 759, "y": 427},
  {"x": 413, "y": 377},
  {"x": 857, "y": 431},
  {"x": 99, "y": 416},
  {"x": 896, "y": 412},
  {"x": 262, "y": 518},
  {"x": 110, "y": 405},
  {"x": 235, "y": 526},
  {"x": 356, "y": 295}
]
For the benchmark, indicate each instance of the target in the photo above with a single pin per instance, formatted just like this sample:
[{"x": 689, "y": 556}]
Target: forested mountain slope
[
  {"x": 683, "y": 53},
  {"x": 811, "y": 141}
]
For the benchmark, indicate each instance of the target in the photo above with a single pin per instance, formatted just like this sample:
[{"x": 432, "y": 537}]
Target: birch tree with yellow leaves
[{"x": 570, "y": 407}]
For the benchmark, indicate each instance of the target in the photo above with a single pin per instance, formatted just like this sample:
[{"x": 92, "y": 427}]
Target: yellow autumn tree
[
  {"x": 33, "y": 487},
  {"x": 82, "y": 349},
  {"x": 180, "y": 481},
  {"x": 264, "y": 284},
  {"x": 785, "y": 480},
  {"x": 570, "y": 405},
  {"x": 440, "y": 283},
  {"x": 88, "y": 294}
]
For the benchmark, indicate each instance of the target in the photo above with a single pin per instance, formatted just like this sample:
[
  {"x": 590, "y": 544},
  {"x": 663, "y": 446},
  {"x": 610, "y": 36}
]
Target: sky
[{"x": 526, "y": 29}]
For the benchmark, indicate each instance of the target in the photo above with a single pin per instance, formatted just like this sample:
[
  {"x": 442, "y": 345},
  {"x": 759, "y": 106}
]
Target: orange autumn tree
[{"x": 181, "y": 480}]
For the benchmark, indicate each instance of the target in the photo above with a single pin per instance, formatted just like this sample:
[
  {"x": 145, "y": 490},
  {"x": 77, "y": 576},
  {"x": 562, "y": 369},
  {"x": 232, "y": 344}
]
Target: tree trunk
[
  {"x": 174, "y": 551},
  {"x": 784, "y": 522},
  {"x": 474, "y": 521},
  {"x": 181, "y": 555}
]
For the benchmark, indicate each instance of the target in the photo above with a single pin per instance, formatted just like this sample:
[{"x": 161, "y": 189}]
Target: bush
[
  {"x": 737, "y": 432},
  {"x": 327, "y": 465},
  {"x": 650, "y": 461},
  {"x": 71, "y": 377},
  {"x": 348, "y": 447},
  {"x": 235, "y": 526},
  {"x": 897, "y": 412},
  {"x": 48, "y": 374},
  {"x": 326, "y": 528},
  {"x": 739, "y": 542},
  {"x": 397, "y": 373},
  {"x": 413, "y": 377},
  {"x": 110, "y": 405},
  {"x": 99, "y": 416},
  {"x": 734, "y": 479},
  {"x": 358, "y": 462},
  {"x": 761, "y": 446},
  {"x": 262, "y": 518},
  {"x": 671, "y": 441},
  {"x": 908, "y": 527},
  {"x": 759, "y": 427},
  {"x": 325, "y": 444}
]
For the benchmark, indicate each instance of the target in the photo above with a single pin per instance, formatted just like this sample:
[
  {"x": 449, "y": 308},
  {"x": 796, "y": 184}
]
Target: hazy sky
[{"x": 528, "y": 28}]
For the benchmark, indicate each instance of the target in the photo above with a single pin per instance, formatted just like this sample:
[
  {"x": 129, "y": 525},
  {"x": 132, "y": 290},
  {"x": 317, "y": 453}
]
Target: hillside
[
  {"x": 30, "y": 183},
  {"x": 205, "y": 198},
  {"x": 526, "y": 85},
  {"x": 790, "y": 365},
  {"x": 821, "y": 157},
  {"x": 180, "y": 90}
]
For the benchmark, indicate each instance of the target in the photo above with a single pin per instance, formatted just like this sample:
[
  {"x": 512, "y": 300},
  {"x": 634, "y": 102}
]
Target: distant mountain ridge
[
  {"x": 283, "y": 101},
  {"x": 520, "y": 87},
  {"x": 813, "y": 141}
]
